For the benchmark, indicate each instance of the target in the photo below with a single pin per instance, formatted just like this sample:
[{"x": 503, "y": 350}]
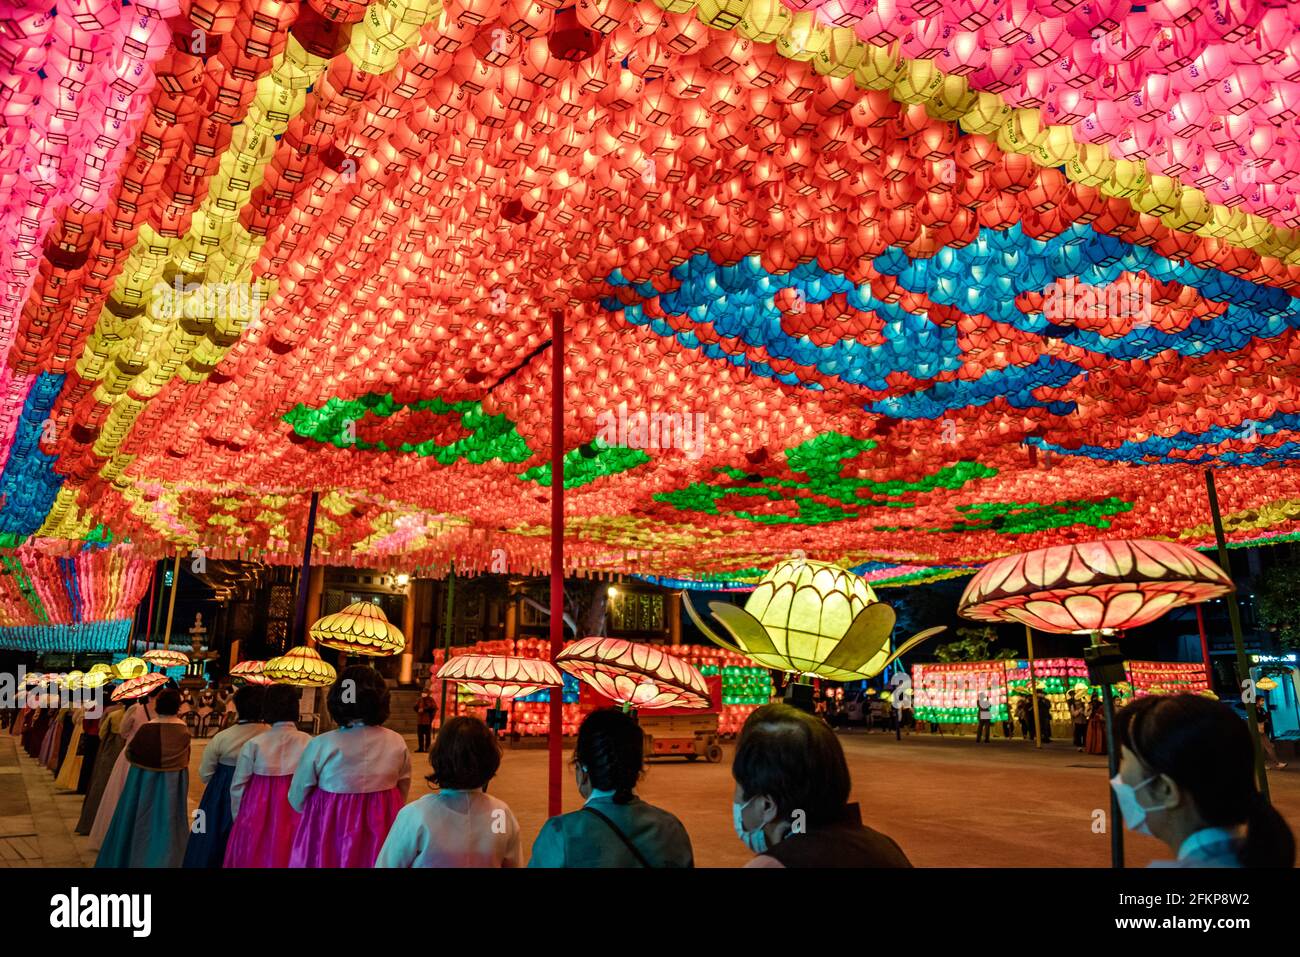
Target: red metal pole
[
  {"x": 1205, "y": 646},
  {"x": 556, "y": 741}
]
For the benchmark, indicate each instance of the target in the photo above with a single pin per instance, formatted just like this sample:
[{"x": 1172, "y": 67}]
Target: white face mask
[
  {"x": 1132, "y": 810},
  {"x": 755, "y": 840}
]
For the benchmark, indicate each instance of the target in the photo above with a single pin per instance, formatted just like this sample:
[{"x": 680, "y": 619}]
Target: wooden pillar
[
  {"x": 512, "y": 617},
  {"x": 674, "y": 612},
  {"x": 315, "y": 590},
  {"x": 407, "y": 668}
]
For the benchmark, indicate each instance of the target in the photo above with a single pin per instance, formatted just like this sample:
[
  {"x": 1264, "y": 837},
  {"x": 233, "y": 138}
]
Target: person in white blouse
[
  {"x": 351, "y": 782},
  {"x": 265, "y": 822},
  {"x": 460, "y": 825},
  {"x": 211, "y": 830}
]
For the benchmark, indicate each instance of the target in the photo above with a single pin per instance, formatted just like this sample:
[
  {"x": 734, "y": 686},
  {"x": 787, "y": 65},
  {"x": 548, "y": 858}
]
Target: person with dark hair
[
  {"x": 460, "y": 825},
  {"x": 351, "y": 781},
  {"x": 984, "y": 729},
  {"x": 1095, "y": 737},
  {"x": 151, "y": 824},
  {"x": 1187, "y": 777},
  {"x": 791, "y": 805},
  {"x": 264, "y": 820},
  {"x": 1264, "y": 725},
  {"x": 426, "y": 709},
  {"x": 1078, "y": 719},
  {"x": 615, "y": 828},
  {"x": 207, "y": 847},
  {"x": 135, "y": 718}
]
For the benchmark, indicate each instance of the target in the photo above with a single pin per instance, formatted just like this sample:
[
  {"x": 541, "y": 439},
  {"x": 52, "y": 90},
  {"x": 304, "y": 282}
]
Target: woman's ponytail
[{"x": 1269, "y": 842}]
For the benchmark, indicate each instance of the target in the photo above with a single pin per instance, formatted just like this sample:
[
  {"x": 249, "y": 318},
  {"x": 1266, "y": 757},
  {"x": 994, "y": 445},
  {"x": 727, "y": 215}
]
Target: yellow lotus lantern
[
  {"x": 812, "y": 618},
  {"x": 359, "y": 629},
  {"x": 95, "y": 679},
  {"x": 1266, "y": 684},
  {"x": 131, "y": 668},
  {"x": 302, "y": 667}
]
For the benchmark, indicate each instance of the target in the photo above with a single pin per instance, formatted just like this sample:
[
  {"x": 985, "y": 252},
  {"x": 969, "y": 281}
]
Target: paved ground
[{"x": 947, "y": 801}]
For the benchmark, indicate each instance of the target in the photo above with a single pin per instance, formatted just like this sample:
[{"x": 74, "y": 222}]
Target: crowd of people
[{"x": 276, "y": 796}]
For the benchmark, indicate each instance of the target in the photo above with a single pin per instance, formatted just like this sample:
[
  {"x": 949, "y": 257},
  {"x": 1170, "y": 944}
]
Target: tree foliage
[{"x": 1278, "y": 598}]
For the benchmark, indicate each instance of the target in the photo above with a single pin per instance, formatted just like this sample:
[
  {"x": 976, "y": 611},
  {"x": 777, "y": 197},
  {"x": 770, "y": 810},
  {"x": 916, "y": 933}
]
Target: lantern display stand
[{"x": 1106, "y": 668}]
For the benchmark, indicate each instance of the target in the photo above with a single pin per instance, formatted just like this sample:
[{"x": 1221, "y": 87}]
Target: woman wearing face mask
[
  {"x": 791, "y": 805},
  {"x": 615, "y": 828},
  {"x": 1187, "y": 777}
]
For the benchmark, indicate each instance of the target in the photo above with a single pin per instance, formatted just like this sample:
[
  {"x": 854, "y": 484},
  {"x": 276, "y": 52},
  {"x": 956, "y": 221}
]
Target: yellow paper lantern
[
  {"x": 301, "y": 667},
  {"x": 1266, "y": 684},
  {"x": 359, "y": 629},
  {"x": 129, "y": 668}
]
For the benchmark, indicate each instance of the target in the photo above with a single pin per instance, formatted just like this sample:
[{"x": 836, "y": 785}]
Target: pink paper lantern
[{"x": 1096, "y": 586}]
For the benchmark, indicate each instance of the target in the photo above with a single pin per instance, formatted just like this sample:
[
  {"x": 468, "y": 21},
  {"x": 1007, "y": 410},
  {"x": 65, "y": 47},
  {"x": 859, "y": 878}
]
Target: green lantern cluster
[
  {"x": 821, "y": 459},
  {"x": 583, "y": 465},
  {"x": 742, "y": 684},
  {"x": 15, "y": 568},
  {"x": 1022, "y": 518},
  {"x": 491, "y": 437}
]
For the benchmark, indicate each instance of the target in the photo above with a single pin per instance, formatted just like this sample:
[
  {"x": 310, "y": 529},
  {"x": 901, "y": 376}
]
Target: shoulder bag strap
[{"x": 627, "y": 842}]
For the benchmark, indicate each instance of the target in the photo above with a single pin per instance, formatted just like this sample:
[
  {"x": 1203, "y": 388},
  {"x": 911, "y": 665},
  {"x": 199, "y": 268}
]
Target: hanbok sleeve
[
  {"x": 404, "y": 777},
  {"x": 306, "y": 777},
  {"x": 211, "y": 756},
  {"x": 243, "y": 771},
  {"x": 514, "y": 854},
  {"x": 400, "y": 847}
]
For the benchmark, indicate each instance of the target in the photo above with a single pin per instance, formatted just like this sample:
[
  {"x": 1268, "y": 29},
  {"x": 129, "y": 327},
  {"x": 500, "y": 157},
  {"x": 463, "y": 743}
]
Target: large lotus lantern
[
  {"x": 812, "y": 618},
  {"x": 302, "y": 667},
  {"x": 1092, "y": 587},
  {"x": 359, "y": 629},
  {"x": 251, "y": 672},
  {"x": 635, "y": 675},
  {"x": 501, "y": 676}
]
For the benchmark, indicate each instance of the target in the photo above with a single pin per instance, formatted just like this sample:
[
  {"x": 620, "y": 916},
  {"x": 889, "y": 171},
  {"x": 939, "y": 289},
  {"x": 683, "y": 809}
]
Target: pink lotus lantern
[
  {"x": 1093, "y": 587},
  {"x": 501, "y": 676},
  {"x": 640, "y": 676},
  {"x": 251, "y": 672},
  {"x": 139, "y": 687}
]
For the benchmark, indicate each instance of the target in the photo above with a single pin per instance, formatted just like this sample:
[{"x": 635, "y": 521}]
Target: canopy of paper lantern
[
  {"x": 139, "y": 687},
  {"x": 898, "y": 243},
  {"x": 635, "y": 674},
  {"x": 359, "y": 629},
  {"x": 500, "y": 676},
  {"x": 302, "y": 667},
  {"x": 1096, "y": 586}
]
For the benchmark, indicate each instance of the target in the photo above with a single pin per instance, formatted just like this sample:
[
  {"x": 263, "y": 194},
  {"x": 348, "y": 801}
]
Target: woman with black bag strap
[{"x": 615, "y": 828}]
